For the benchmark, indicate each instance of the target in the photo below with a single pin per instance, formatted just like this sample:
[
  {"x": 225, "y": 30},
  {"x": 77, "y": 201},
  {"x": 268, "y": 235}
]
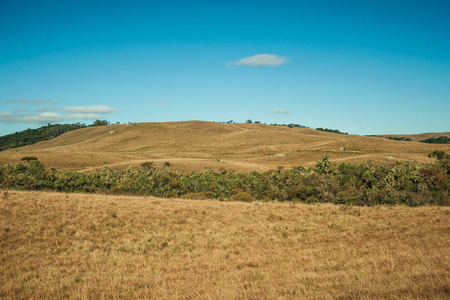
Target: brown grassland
[
  {"x": 119, "y": 247},
  {"x": 55, "y": 245},
  {"x": 196, "y": 145}
]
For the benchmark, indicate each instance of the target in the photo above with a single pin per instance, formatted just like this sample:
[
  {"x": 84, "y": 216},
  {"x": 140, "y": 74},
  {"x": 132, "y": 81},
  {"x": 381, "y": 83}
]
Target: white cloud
[
  {"x": 280, "y": 111},
  {"x": 31, "y": 102},
  {"x": 260, "y": 60},
  {"x": 95, "y": 109},
  {"x": 49, "y": 115},
  {"x": 45, "y": 117},
  {"x": 85, "y": 116},
  {"x": 6, "y": 117},
  {"x": 48, "y": 109},
  {"x": 42, "y": 118}
]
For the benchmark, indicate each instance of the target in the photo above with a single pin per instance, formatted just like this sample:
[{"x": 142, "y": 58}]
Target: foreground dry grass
[{"x": 93, "y": 246}]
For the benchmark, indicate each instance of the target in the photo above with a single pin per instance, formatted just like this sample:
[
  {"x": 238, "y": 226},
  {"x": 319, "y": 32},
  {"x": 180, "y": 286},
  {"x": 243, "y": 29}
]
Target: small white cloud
[
  {"x": 31, "y": 102},
  {"x": 6, "y": 117},
  {"x": 95, "y": 109},
  {"x": 48, "y": 109},
  {"x": 260, "y": 60},
  {"x": 280, "y": 111},
  {"x": 85, "y": 116}
]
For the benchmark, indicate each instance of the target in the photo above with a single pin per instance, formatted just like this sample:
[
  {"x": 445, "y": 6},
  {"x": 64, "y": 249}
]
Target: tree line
[{"x": 48, "y": 132}]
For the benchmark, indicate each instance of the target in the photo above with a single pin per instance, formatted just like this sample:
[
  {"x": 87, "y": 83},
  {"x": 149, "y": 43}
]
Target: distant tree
[
  {"x": 257, "y": 122},
  {"x": 230, "y": 122},
  {"x": 398, "y": 138},
  {"x": 293, "y": 125},
  {"x": 100, "y": 123},
  {"x": 330, "y": 130},
  {"x": 249, "y": 121},
  {"x": 28, "y": 158},
  {"x": 439, "y": 140}
]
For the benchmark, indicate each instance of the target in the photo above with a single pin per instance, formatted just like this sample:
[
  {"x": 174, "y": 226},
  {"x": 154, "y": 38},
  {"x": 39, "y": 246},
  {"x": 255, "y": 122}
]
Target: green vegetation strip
[{"x": 411, "y": 184}]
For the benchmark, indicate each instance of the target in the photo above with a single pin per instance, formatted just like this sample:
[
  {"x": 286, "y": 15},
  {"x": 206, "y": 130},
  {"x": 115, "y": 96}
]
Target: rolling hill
[{"x": 196, "y": 145}]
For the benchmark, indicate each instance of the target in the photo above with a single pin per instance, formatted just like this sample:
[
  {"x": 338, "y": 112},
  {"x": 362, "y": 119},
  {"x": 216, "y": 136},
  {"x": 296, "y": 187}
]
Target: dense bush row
[
  {"x": 400, "y": 183},
  {"x": 395, "y": 138},
  {"x": 439, "y": 140},
  {"x": 330, "y": 130}
]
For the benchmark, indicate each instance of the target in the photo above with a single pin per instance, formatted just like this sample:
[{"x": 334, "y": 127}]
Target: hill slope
[{"x": 196, "y": 145}]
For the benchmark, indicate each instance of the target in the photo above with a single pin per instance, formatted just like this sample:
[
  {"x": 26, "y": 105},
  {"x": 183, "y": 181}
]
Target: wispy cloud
[
  {"x": 42, "y": 118},
  {"x": 280, "y": 111},
  {"x": 39, "y": 118},
  {"x": 6, "y": 117},
  {"x": 53, "y": 114},
  {"x": 95, "y": 109},
  {"x": 31, "y": 102},
  {"x": 260, "y": 60}
]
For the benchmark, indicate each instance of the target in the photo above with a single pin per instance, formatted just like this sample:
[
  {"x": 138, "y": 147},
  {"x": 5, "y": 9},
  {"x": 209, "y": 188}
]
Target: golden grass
[
  {"x": 196, "y": 145},
  {"x": 111, "y": 247}
]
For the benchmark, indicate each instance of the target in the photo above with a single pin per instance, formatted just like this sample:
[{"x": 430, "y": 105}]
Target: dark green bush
[
  {"x": 147, "y": 165},
  {"x": 399, "y": 183},
  {"x": 28, "y": 158},
  {"x": 439, "y": 155},
  {"x": 439, "y": 140}
]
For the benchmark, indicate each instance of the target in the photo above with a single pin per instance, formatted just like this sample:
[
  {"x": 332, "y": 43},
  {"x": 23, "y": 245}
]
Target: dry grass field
[
  {"x": 196, "y": 145},
  {"x": 115, "y": 247}
]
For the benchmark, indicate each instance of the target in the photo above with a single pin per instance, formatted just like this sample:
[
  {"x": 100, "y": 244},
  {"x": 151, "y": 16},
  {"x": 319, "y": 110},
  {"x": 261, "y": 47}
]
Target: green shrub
[
  {"x": 439, "y": 155},
  {"x": 243, "y": 196},
  {"x": 147, "y": 165},
  {"x": 323, "y": 165},
  {"x": 312, "y": 199},
  {"x": 28, "y": 158}
]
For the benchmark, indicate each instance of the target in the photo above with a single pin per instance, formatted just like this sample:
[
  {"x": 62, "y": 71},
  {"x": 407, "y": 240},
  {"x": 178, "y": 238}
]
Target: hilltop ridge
[{"x": 196, "y": 145}]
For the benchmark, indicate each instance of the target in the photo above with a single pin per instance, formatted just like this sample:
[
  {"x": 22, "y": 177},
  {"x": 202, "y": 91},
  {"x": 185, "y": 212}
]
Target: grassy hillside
[
  {"x": 196, "y": 145},
  {"x": 95, "y": 247}
]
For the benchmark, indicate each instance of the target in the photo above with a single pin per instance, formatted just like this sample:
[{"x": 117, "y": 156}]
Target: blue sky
[{"x": 363, "y": 67}]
